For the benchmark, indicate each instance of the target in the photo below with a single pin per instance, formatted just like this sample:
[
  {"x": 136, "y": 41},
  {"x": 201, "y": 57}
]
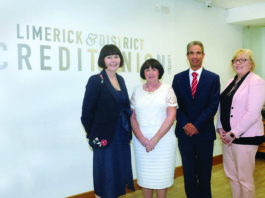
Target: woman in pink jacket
[{"x": 240, "y": 123}]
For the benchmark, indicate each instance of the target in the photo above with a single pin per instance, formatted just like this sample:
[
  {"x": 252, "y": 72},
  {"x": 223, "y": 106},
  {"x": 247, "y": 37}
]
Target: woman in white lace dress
[{"x": 154, "y": 112}]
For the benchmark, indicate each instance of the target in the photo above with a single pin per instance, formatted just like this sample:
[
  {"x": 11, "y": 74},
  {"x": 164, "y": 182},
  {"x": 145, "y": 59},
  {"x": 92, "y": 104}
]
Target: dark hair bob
[
  {"x": 153, "y": 63},
  {"x": 106, "y": 51}
]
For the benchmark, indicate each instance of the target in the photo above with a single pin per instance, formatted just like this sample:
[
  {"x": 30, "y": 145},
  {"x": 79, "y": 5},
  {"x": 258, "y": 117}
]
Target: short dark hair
[
  {"x": 195, "y": 43},
  {"x": 106, "y": 51},
  {"x": 153, "y": 63}
]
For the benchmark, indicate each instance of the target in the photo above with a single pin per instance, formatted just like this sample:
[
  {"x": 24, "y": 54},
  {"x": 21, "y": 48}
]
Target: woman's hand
[
  {"x": 152, "y": 144},
  {"x": 144, "y": 141},
  {"x": 228, "y": 139}
]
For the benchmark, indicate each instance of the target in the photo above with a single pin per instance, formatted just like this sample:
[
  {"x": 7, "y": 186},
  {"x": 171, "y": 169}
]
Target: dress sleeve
[
  {"x": 171, "y": 98},
  {"x": 90, "y": 100},
  {"x": 133, "y": 99}
]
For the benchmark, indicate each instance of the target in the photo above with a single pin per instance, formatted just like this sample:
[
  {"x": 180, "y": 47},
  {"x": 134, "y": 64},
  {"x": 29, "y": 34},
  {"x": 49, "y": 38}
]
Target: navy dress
[{"x": 112, "y": 169}]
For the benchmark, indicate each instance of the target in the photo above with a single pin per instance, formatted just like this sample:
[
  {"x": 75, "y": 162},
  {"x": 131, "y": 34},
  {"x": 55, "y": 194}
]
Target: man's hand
[
  {"x": 190, "y": 129},
  {"x": 222, "y": 133}
]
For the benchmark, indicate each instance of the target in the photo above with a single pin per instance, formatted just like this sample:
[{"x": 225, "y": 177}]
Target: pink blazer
[{"x": 245, "y": 116}]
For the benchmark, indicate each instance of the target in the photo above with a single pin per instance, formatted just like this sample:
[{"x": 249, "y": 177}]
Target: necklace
[
  {"x": 113, "y": 80},
  {"x": 233, "y": 88},
  {"x": 115, "y": 83},
  {"x": 152, "y": 90}
]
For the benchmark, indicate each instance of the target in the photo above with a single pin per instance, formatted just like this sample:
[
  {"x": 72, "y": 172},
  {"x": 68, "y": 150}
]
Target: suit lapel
[
  {"x": 123, "y": 88},
  {"x": 244, "y": 83},
  {"x": 122, "y": 85},
  {"x": 109, "y": 85},
  {"x": 186, "y": 83}
]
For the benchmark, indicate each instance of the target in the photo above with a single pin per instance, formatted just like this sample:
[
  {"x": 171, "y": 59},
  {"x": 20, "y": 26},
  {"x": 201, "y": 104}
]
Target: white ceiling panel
[
  {"x": 227, "y": 4},
  {"x": 234, "y": 4}
]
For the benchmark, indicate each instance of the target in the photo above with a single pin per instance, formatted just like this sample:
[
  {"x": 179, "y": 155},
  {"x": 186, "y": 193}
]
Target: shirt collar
[{"x": 198, "y": 71}]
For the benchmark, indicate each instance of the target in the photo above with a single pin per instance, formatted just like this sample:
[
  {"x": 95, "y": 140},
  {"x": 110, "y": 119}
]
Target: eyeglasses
[{"x": 234, "y": 61}]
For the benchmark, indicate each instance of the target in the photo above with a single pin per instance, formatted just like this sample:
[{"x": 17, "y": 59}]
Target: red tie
[{"x": 194, "y": 83}]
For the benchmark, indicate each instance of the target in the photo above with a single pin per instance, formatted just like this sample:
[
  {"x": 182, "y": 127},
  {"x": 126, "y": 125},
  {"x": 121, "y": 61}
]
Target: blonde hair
[{"x": 250, "y": 57}]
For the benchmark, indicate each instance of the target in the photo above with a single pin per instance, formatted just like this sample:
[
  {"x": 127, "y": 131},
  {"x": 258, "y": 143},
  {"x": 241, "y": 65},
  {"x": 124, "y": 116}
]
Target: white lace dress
[{"x": 155, "y": 169}]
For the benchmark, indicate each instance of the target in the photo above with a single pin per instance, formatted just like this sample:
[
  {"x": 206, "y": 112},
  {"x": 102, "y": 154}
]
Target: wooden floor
[{"x": 220, "y": 184}]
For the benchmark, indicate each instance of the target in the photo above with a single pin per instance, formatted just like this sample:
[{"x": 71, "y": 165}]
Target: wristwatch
[{"x": 232, "y": 135}]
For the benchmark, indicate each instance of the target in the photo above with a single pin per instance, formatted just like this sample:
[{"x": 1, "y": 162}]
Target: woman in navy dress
[{"x": 106, "y": 118}]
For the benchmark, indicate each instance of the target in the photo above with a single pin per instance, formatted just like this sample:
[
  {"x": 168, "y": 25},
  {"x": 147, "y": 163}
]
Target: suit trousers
[
  {"x": 197, "y": 157},
  {"x": 239, "y": 166}
]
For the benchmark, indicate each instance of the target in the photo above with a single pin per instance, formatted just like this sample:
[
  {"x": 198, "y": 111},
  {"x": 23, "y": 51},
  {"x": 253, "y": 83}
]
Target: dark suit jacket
[
  {"x": 101, "y": 110},
  {"x": 199, "y": 110}
]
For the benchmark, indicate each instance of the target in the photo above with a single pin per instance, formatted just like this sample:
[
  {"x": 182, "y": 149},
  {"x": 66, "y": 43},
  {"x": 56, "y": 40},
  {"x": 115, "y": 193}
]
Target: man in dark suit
[{"x": 198, "y": 98}]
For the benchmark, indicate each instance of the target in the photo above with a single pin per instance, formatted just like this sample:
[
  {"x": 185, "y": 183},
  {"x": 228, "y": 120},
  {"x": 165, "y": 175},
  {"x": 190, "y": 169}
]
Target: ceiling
[{"x": 227, "y": 4}]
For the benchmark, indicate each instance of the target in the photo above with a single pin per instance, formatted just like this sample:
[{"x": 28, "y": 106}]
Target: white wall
[
  {"x": 254, "y": 39},
  {"x": 44, "y": 152}
]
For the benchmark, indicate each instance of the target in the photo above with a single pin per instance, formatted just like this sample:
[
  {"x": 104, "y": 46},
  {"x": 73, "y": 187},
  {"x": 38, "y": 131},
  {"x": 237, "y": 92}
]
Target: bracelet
[{"x": 157, "y": 140}]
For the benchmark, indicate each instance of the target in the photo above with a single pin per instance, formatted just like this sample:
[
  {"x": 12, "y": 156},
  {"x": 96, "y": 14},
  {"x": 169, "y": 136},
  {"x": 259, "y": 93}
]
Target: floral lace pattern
[
  {"x": 171, "y": 97},
  {"x": 151, "y": 112},
  {"x": 151, "y": 109}
]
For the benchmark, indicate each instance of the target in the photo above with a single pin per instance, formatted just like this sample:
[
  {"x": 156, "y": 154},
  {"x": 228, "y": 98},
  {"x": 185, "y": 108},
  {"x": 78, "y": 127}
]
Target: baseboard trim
[{"x": 178, "y": 172}]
